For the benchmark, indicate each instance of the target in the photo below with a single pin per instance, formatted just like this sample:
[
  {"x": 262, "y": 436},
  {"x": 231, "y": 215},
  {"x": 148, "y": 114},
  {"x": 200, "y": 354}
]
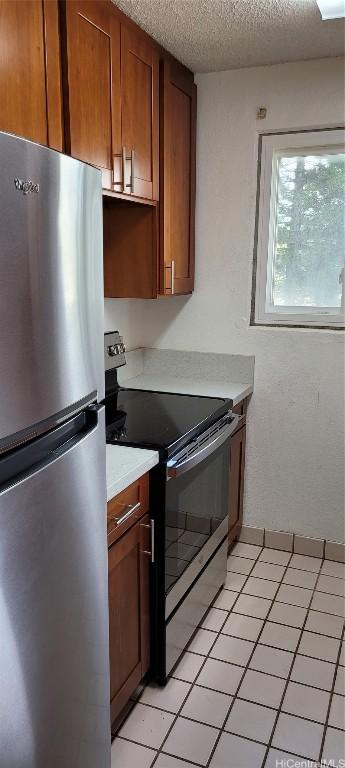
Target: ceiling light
[{"x": 331, "y": 9}]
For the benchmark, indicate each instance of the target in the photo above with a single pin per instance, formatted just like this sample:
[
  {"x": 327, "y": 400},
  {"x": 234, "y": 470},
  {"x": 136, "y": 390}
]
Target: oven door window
[{"x": 196, "y": 504}]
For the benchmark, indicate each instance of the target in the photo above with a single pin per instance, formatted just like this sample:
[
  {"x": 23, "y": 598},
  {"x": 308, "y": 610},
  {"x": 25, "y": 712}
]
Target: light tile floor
[{"x": 263, "y": 679}]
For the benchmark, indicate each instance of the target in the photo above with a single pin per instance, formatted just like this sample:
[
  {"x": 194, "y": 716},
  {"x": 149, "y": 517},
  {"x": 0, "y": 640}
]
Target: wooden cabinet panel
[
  {"x": 53, "y": 75},
  {"x": 177, "y": 179},
  {"x": 30, "y": 86},
  {"x": 241, "y": 408},
  {"x": 129, "y": 638},
  {"x": 124, "y": 617},
  {"x": 92, "y": 86},
  {"x": 237, "y": 465},
  {"x": 129, "y": 542},
  {"x": 139, "y": 89},
  {"x": 130, "y": 246},
  {"x": 111, "y": 97}
]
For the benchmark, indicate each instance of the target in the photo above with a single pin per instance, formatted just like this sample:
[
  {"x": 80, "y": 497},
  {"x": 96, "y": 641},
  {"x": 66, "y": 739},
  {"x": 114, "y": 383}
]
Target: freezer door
[
  {"x": 51, "y": 287},
  {"x": 54, "y": 651}
]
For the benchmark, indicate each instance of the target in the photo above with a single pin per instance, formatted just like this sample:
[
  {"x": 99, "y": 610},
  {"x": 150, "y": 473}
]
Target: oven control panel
[{"x": 114, "y": 351}]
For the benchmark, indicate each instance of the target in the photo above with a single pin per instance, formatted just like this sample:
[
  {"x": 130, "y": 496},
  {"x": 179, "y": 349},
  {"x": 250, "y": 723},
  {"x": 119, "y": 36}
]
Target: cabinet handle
[
  {"x": 171, "y": 266},
  {"x": 130, "y": 510},
  {"x": 132, "y": 158},
  {"x": 132, "y": 171},
  {"x": 151, "y": 553},
  {"x": 120, "y": 183},
  {"x": 124, "y": 185}
]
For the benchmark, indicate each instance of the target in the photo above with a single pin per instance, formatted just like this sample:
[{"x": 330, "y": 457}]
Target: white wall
[
  {"x": 125, "y": 315},
  {"x": 295, "y": 446}
]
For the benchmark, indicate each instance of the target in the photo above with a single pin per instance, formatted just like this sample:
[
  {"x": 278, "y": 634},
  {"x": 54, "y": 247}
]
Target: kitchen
[{"x": 220, "y": 491}]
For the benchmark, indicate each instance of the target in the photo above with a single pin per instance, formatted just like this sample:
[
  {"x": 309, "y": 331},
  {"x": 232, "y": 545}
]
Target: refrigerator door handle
[{"x": 32, "y": 456}]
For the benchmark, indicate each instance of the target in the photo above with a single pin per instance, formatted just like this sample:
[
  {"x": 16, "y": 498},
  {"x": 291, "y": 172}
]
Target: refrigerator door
[
  {"x": 51, "y": 288},
  {"x": 54, "y": 650}
]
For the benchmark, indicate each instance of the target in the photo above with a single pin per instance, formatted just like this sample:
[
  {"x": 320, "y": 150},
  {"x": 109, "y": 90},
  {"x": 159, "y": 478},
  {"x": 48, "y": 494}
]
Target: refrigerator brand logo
[{"x": 26, "y": 187}]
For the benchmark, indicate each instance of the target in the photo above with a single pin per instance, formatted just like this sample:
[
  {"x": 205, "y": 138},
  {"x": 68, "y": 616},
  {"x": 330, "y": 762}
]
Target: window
[{"x": 300, "y": 246}]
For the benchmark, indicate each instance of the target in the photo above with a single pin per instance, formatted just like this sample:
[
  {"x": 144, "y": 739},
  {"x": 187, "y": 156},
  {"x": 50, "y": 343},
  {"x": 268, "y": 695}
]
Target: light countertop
[
  {"x": 234, "y": 391},
  {"x": 125, "y": 465}
]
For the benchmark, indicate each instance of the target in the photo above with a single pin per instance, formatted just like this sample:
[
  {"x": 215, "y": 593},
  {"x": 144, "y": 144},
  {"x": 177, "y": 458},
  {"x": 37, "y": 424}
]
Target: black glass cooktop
[{"x": 159, "y": 420}]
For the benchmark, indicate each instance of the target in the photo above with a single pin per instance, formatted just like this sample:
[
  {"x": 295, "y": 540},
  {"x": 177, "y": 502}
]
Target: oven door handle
[{"x": 175, "y": 469}]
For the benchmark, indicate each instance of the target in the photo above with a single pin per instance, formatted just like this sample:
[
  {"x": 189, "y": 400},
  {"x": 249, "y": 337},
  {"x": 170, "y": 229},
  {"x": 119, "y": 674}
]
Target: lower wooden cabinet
[
  {"x": 129, "y": 611},
  {"x": 237, "y": 468}
]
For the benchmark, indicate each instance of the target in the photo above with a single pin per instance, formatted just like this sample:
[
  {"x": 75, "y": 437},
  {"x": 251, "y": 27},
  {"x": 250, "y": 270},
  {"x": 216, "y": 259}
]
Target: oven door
[{"x": 196, "y": 507}]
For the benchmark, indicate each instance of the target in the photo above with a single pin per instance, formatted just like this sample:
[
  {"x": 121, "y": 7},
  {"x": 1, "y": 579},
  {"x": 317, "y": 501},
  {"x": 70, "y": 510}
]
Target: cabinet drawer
[{"x": 127, "y": 507}]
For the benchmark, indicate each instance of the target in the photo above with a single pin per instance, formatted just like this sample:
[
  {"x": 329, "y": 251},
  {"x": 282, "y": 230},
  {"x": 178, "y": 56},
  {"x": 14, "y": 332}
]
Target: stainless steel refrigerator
[{"x": 54, "y": 662}]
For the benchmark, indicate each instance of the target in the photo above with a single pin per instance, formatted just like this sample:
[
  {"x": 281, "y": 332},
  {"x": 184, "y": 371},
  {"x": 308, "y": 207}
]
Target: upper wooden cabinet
[
  {"x": 177, "y": 178},
  {"x": 147, "y": 250},
  {"x": 129, "y": 109},
  {"x": 30, "y": 84},
  {"x": 91, "y": 68},
  {"x": 140, "y": 113},
  {"x": 111, "y": 97},
  {"x": 130, "y": 249}
]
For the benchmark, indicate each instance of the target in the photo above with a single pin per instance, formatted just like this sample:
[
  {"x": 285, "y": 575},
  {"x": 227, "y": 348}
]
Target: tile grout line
[
  {"x": 235, "y": 697},
  {"x": 158, "y": 752},
  {"x": 337, "y": 665},
  {"x": 239, "y": 698},
  {"x": 288, "y": 679},
  {"x": 194, "y": 682},
  {"x": 226, "y": 613},
  {"x": 194, "y": 633},
  {"x": 217, "y": 633}
]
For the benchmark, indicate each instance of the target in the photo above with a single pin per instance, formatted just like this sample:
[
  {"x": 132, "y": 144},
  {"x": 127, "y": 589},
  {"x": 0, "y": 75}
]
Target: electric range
[
  {"x": 189, "y": 499},
  {"x": 160, "y": 421}
]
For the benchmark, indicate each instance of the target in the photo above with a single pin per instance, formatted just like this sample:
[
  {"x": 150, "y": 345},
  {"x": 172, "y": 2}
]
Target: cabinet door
[
  {"x": 91, "y": 35},
  {"x": 30, "y": 85},
  {"x": 237, "y": 464},
  {"x": 139, "y": 92},
  {"x": 128, "y": 613},
  {"x": 177, "y": 181}
]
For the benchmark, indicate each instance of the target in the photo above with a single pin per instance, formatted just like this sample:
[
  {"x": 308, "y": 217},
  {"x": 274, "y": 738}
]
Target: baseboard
[{"x": 293, "y": 542}]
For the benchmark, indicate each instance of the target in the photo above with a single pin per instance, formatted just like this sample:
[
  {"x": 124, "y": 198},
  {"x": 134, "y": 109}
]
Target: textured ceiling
[{"x": 209, "y": 35}]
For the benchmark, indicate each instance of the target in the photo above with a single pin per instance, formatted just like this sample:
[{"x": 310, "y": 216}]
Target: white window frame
[{"x": 330, "y": 141}]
